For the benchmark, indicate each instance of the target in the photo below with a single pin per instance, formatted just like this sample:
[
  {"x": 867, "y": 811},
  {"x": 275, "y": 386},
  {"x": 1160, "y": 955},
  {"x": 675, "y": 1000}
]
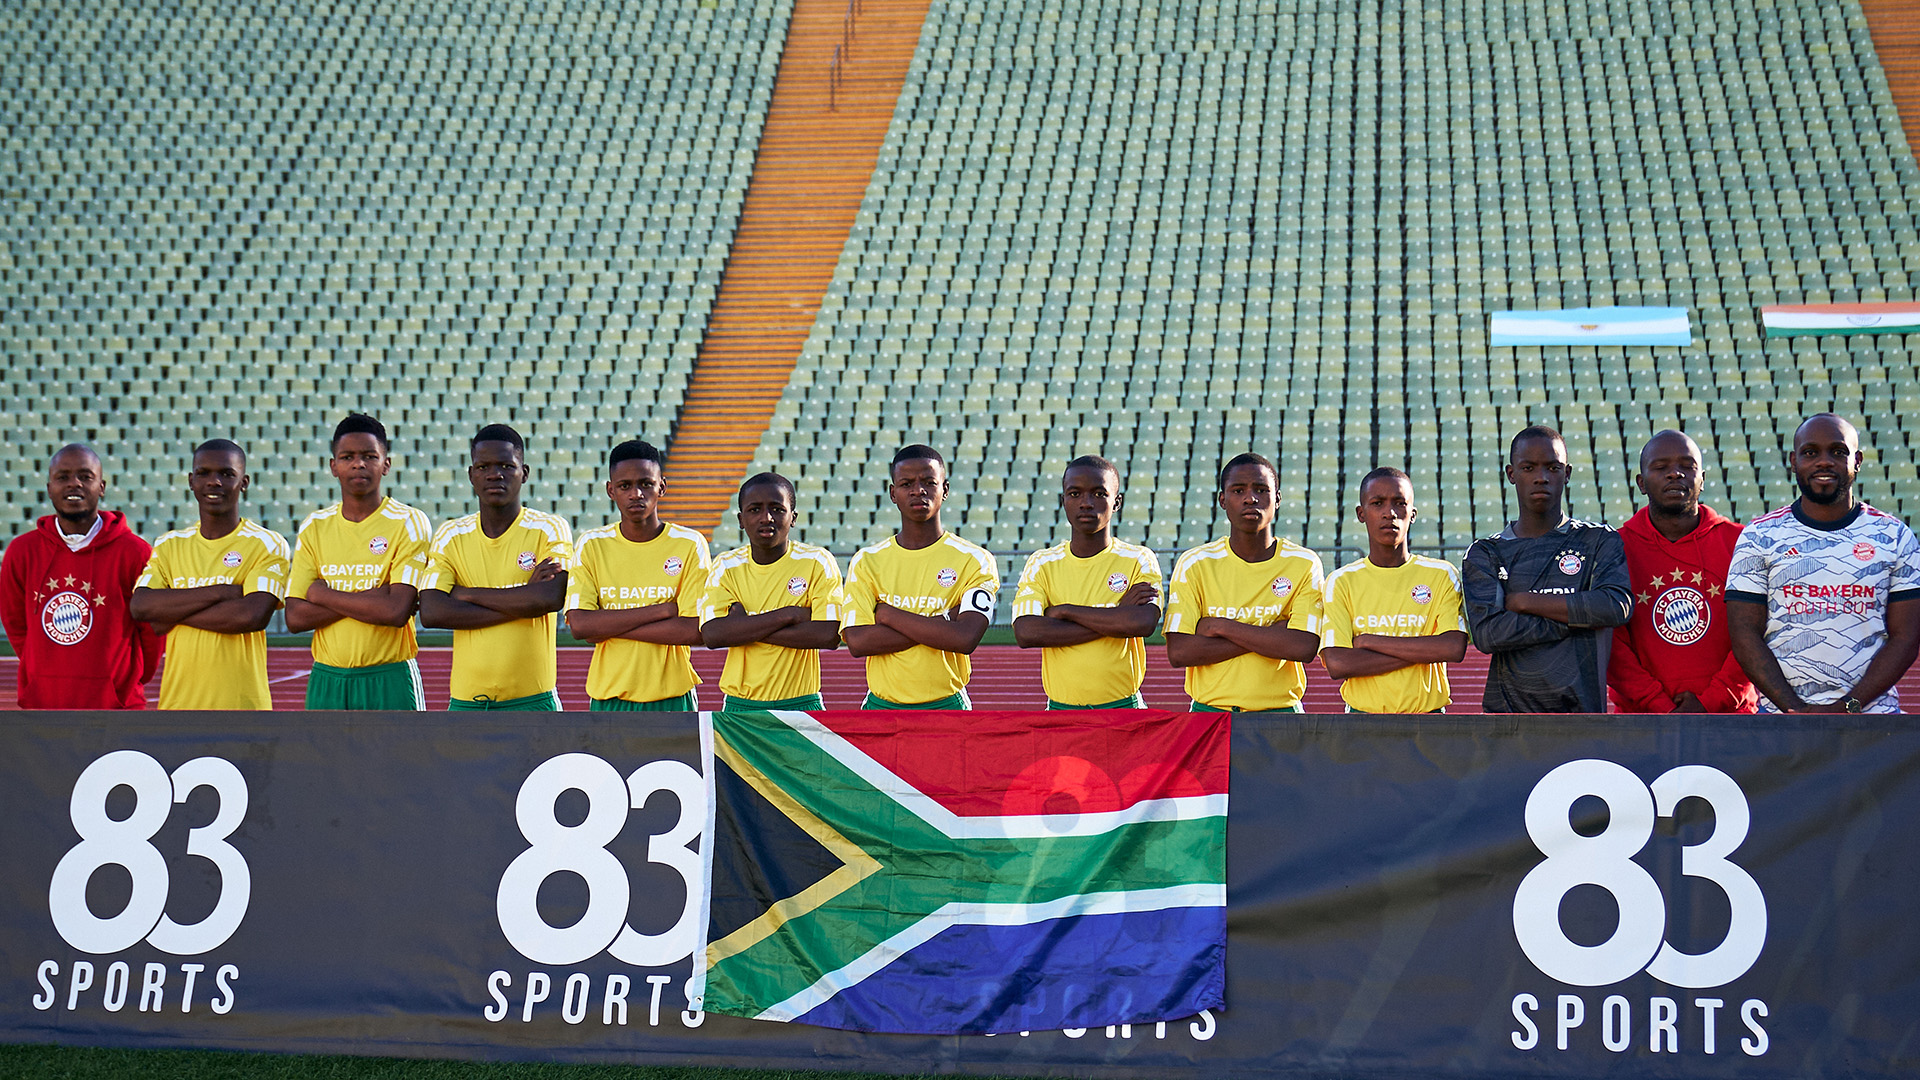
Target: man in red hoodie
[
  {"x": 63, "y": 598},
  {"x": 1674, "y": 654}
]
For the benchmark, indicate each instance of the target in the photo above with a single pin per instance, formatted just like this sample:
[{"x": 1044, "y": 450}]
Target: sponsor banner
[
  {"x": 1817, "y": 320},
  {"x": 1433, "y": 896},
  {"x": 1592, "y": 326}
]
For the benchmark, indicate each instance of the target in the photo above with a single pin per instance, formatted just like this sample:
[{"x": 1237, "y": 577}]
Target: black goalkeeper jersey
[{"x": 1539, "y": 665}]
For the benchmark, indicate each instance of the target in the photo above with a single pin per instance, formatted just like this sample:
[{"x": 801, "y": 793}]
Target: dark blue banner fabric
[{"x": 1423, "y": 896}]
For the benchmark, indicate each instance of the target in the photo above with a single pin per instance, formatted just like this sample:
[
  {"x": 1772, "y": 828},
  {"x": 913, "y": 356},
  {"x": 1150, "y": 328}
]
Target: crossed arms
[
  {"x": 658, "y": 624},
  {"x": 793, "y": 626},
  {"x": 1378, "y": 654},
  {"x": 894, "y": 630},
  {"x": 1134, "y": 615},
  {"x": 465, "y": 607},
  {"x": 221, "y": 609},
  {"x": 391, "y": 604},
  {"x": 1215, "y": 639}
]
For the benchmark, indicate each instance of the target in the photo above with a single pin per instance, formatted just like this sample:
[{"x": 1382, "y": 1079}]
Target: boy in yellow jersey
[
  {"x": 1089, "y": 604},
  {"x": 213, "y": 589},
  {"x": 1393, "y": 619},
  {"x": 635, "y": 593},
  {"x": 774, "y": 605},
  {"x": 1245, "y": 613},
  {"x": 919, "y": 602},
  {"x": 496, "y": 578},
  {"x": 356, "y": 570}
]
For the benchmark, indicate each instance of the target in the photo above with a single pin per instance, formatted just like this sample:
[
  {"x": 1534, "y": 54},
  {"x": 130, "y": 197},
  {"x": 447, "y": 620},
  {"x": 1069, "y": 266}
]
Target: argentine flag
[{"x": 1593, "y": 326}]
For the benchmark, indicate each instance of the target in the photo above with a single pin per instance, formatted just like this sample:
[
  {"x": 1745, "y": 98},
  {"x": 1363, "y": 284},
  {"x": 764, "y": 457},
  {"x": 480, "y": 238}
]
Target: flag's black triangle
[{"x": 760, "y": 856}]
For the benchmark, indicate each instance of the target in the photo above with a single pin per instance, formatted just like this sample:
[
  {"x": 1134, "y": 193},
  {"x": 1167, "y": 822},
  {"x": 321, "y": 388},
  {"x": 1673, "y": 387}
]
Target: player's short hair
[
  {"x": 360, "y": 423},
  {"x": 224, "y": 446},
  {"x": 1844, "y": 424},
  {"x": 498, "y": 433},
  {"x": 773, "y": 478},
  {"x": 76, "y": 448},
  {"x": 1091, "y": 461},
  {"x": 1238, "y": 460},
  {"x": 636, "y": 450},
  {"x": 916, "y": 452},
  {"x": 1533, "y": 431},
  {"x": 1384, "y": 472}
]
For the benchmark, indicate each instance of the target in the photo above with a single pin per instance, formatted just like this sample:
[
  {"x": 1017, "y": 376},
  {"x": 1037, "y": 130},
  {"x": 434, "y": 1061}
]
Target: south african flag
[{"x": 949, "y": 873}]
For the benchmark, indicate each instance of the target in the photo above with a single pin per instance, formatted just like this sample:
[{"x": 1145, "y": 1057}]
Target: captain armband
[{"x": 979, "y": 599}]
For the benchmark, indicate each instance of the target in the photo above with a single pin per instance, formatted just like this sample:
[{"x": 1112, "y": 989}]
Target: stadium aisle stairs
[
  {"x": 1895, "y": 25},
  {"x": 815, "y": 158}
]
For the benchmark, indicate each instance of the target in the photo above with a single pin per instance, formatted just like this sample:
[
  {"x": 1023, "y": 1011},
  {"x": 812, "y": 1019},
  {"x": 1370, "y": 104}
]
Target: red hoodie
[
  {"x": 1677, "y": 639},
  {"x": 66, "y": 616}
]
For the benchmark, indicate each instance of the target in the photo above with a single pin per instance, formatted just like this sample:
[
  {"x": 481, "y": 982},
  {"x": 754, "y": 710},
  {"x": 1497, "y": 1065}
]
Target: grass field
[{"x": 87, "y": 1063}]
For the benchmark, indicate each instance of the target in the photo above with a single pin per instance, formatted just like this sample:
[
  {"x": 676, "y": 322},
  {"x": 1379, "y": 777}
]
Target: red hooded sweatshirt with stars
[
  {"x": 1677, "y": 639},
  {"x": 66, "y": 617}
]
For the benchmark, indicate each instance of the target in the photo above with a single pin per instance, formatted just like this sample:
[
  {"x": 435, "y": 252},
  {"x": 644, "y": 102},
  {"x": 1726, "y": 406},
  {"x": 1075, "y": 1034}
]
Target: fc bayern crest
[
  {"x": 1282, "y": 586},
  {"x": 1863, "y": 551},
  {"x": 1681, "y": 616},
  {"x": 377, "y": 545},
  {"x": 1422, "y": 594},
  {"x": 1570, "y": 563},
  {"x": 947, "y": 577},
  {"x": 524, "y": 560},
  {"x": 67, "y": 618},
  {"x": 1116, "y": 583},
  {"x": 230, "y": 559},
  {"x": 673, "y": 566},
  {"x": 797, "y": 585}
]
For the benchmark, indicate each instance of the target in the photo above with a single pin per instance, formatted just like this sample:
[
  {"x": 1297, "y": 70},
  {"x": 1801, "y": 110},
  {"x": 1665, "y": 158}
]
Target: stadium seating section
[
  {"x": 1166, "y": 231},
  {"x": 238, "y": 219}
]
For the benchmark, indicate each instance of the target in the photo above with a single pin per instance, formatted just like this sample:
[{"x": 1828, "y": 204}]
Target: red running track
[{"x": 1004, "y": 677}]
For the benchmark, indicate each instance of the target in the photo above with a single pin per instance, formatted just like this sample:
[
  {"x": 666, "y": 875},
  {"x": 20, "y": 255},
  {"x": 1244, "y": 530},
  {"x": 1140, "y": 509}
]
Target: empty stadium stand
[
  {"x": 234, "y": 219},
  {"x": 1170, "y": 232},
  {"x": 1161, "y": 231}
]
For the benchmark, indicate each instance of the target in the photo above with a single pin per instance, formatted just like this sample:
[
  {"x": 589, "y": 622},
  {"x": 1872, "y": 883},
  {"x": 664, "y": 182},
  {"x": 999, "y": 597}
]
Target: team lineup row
[{"x": 1815, "y": 606}]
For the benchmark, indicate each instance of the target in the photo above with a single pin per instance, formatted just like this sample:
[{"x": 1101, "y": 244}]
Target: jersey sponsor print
[
  {"x": 514, "y": 659},
  {"x": 206, "y": 669},
  {"x": 952, "y": 576},
  {"x": 1104, "y": 669},
  {"x": 1210, "y": 581},
  {"x": 611, "y": 573},
  {"x": 806, "y": 576},
  {"x": 1418, "y": 599},
  {"x": 1826, "y": 588},
  {"x": 388, "y": 547}
]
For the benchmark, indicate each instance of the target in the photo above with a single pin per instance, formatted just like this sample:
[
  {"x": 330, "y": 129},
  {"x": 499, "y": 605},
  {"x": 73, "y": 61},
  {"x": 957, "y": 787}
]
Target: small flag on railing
[
  {"x": 1593, "y": 326},
  {"x": 1796, "y": 320}
]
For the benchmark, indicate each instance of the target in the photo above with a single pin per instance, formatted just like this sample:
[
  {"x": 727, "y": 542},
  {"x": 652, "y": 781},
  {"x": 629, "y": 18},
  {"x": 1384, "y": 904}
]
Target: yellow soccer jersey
[
  {"x": 1419, "y": 599},
  {"x": 610, "y": 573},
  {"x": 205, "y": 669},
  {"x": 1211, "y": 580},
  {"x": 1104, "y": 669},
  {"x": 515, "y": 659},
  {"x": 805, "y": 576},
  {"x": 945, "y": 578},
  {"x": 388, "y": 548}
]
